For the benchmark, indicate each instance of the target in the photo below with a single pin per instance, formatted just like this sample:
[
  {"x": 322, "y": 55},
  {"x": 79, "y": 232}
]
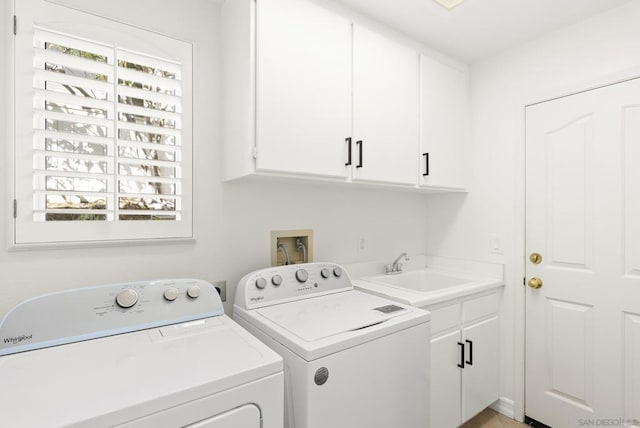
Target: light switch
[
  {"x": 362, "y": 244},
  {"x": 495, "y": 243}
]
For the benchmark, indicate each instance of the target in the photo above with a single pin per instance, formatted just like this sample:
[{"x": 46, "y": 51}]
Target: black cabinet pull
[
  {"x": 470, "y": 360},
  {"x": 359, "y": 143},
  {"x": 426, "y": 164},
  {"x": 348, "y": 140},
  {"x": 461, "y": 363}
]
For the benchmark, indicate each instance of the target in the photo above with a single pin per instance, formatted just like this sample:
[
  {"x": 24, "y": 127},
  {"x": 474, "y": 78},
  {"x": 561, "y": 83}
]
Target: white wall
[
  {"x": 232, "y": 220},
  {"x": 603, "y": 48}
]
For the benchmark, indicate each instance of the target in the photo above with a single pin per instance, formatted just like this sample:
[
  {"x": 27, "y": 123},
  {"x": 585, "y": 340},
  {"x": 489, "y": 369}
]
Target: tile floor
[{"x": 491, "y": 419}]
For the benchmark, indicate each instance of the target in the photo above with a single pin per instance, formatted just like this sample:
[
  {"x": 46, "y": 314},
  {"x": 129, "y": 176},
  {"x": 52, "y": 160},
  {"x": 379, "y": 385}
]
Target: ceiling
[{"x": 479, "y": 28}]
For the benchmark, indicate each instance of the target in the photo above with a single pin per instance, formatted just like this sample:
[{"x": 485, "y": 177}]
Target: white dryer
[
  {"x": 352, "y": 360},
  {"x": 142, "y": 354}
]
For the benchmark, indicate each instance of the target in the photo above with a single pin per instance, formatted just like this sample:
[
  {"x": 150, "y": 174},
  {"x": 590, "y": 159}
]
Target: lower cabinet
[
  {"x": 480, "y": 375},
  {"x": 464, "y": 359},
  {"x": 445, "y": 381}
]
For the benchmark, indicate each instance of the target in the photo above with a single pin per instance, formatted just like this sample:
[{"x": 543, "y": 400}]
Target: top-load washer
[
  {"x": 142, "y": 354},
  {"x": 352, "y": 360}
]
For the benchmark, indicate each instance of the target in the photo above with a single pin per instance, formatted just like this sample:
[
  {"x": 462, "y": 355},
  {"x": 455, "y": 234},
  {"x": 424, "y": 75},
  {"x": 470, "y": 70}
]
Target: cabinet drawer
[
  {"x": 445, "y": 318},
  {"x": 480, "y": 307}
]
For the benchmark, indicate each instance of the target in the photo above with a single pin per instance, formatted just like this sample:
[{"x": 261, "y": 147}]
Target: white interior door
[
  {"x": 385, "y": 109},
  {"x": 303, "y": 93},
  {"x": 583, "y": 218}
]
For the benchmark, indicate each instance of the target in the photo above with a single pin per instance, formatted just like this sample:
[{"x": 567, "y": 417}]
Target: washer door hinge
[
  {"x": 15, "y": 208},
  {"x": 15, "y": 25}
]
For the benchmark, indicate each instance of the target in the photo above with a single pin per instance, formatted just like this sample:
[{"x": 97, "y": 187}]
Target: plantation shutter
[
  {"x": 148, "y": 137},
  {"x": 74, "y": 153},
  {"x": 108, "y": 139}
]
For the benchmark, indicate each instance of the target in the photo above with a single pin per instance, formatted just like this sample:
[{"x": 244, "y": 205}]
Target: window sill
[{"x": 98, "y": 244}]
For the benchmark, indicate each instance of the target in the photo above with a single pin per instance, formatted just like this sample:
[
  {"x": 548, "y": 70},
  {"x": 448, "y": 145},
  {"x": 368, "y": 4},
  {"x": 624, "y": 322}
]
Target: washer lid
[
  {"x": 329, "y": 323},
  {"x": 323, "y": 317}
]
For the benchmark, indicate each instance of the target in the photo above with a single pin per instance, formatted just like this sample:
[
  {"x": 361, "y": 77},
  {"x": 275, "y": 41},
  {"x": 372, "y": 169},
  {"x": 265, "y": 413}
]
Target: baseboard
[{"x": 505, "y": 406}]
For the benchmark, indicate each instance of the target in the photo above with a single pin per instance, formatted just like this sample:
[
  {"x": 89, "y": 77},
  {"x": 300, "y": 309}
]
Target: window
[{"x": 103, "y": 129}]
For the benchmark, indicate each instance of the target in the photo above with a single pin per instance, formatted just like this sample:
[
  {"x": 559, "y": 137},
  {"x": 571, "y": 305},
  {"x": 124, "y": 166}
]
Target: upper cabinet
[
  {"x": 385, "y": 109},
  {"x": 444, "y": 121},
  {"x": 303, "y": 103},
  {"x": 308, "y": 92}
]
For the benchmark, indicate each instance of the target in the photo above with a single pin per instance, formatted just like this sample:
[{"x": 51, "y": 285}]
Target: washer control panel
[
  {"x": 92, "y": 312},
  {"x": 280, "y": 284}
]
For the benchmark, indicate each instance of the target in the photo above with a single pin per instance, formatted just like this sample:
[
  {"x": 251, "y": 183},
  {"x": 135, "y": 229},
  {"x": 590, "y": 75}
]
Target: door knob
[
  {"x": 535, "y": 283},
  {"x": 535, "y": 258}
]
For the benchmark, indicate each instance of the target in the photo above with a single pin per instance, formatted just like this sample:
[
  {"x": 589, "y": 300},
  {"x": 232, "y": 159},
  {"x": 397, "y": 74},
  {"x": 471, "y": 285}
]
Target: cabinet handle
[
  {"x": 461, "y": 363},
  {"x": 470, "y": 360},
  {"x": 359, "y": 144},
  {"x": 426, "y": 164},
  {"x": 348, "y": 140}
]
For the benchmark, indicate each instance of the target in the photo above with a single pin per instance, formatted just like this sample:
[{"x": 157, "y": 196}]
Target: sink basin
[
  {"x": 427, "y": 286},
  {"x": 423, "y": 280}
]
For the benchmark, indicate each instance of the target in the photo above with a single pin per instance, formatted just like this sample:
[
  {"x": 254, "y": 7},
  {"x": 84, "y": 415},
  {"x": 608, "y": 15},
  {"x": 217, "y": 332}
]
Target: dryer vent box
[{"x": 292, "y": 246}]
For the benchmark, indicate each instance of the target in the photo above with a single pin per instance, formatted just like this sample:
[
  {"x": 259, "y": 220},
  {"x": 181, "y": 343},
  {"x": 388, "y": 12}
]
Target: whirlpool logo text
[{"x": 18, "y": 339}]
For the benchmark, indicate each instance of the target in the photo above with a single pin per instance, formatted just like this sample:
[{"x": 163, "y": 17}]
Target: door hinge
[
  {"x": 255, "y": 153},
  {"x": 15, "y": 208},
  {"x": 15, "y": 25}
]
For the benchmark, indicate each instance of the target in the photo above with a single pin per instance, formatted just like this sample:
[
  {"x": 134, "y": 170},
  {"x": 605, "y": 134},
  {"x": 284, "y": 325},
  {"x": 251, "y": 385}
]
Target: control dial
[
  {"x": 276, "y": 280},
  {"x": 325, "y": 273},
  {"x": 127, "y": 298},
  {"x": 261, "y": 283},
  {"x": 337, "y": 272},
  {"x": 170, "y": 294},
  {"x": 302, "y": 275},
  {"x": 193, "y": 291}
]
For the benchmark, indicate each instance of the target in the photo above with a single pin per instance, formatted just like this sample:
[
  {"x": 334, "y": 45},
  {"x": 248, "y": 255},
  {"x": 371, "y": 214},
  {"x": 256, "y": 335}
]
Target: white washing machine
[
  {"x": 142, "y": 354},
  {"x": 352, "y": 360}
]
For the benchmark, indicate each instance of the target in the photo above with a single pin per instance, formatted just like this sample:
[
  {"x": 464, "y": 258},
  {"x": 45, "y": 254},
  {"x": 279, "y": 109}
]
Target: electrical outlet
[{"x": 221, "y": 287}]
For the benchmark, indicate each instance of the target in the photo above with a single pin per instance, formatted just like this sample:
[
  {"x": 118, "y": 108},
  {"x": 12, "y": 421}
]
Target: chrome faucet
[{"x": 396, "y": 267}]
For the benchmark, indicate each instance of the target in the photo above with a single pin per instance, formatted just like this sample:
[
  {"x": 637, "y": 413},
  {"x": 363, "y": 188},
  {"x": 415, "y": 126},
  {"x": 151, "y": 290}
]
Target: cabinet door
[
  {"x": 445, "y": 381},
  {"x": 385, "y": 109},
  {"x": 445, "y": 128},
  {"x": 303, "y": 93},
  {"x": 480, "y": 377}
]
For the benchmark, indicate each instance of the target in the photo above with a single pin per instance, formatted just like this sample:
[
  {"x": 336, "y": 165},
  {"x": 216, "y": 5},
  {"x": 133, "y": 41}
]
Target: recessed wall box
[{"x": 291, "y": 247}]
